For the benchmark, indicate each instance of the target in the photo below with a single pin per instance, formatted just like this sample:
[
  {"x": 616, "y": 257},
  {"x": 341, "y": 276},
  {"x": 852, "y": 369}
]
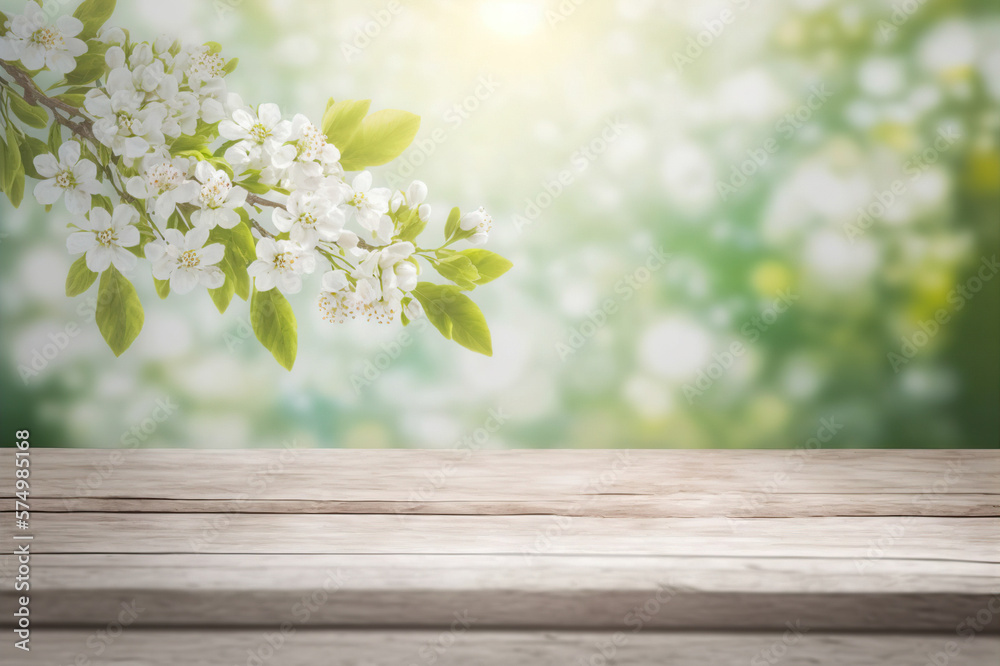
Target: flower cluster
[{"x": 164, "y": 162}]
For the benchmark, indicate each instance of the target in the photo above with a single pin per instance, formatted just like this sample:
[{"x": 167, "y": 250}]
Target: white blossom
[
  {"x": 370, "y": 205},
  {"x": 217, "y": 199},
  {"x": 104, "y": 237},
  {"x": 481, "y": 222},
  {"x": 141, "y": 71},
  {"x": 123, "y": 123},
  {"x": 200, "y": 65},
  {"x": 36, "y": 43},
  {"x": 75, "y": 177},
  {"x": 186, "y": 261},
  {"x": 414, "y": 310},
  {"x": 305, "y": 158},
  {"x": 260, "y": 135},
  {"x": 379, "y": 282},
  {"x": 309, "y": 218},
  {"x": 339, "y": 301},
  {"x": 281, "y": 263},
  {"x": 164, "y": 184}
]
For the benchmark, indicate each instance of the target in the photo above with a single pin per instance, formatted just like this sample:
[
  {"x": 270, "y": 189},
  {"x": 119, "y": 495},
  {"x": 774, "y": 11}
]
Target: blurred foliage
[{"x": 837, "y": 106}]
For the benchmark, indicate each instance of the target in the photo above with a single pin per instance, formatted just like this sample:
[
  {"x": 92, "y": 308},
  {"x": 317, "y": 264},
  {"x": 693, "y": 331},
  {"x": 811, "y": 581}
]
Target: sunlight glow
[{"x": 512, "y": 18}]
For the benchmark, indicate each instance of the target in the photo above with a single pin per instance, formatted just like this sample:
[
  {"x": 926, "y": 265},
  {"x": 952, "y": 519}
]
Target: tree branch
[{"x": 84, "y": 128}]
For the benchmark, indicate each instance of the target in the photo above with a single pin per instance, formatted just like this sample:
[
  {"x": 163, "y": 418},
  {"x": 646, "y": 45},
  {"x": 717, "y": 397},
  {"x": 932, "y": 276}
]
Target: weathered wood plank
[
  {"x": 488, "y": 648},
  {"x": 678, "y": 505},
  {"x": 597, "y": 483},
  {"x": 845, "y": 541},
  {"x": 511, "y": 591},
  {"x": 962, "y": 539}
]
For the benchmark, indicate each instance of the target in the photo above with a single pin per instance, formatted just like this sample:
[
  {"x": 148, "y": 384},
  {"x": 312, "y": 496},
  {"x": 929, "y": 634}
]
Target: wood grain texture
[
  {"x": 511, "y": 591},
  {"x": 491, "y": 648},
  {"x": 627, "y": 483},
  {"x": 858, "y": 539},
  {"x": 541, "y": 547}
]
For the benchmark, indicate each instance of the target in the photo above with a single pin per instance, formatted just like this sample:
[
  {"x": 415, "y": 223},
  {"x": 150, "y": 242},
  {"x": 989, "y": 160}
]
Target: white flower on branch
[
  {"x": 281, "y": 264},
  {"x": 200, "y": 65},
  {"x": 413, "y": 197},
  {"x": 37, "y": 44},
  {"x": 481, "y": 222},
  {"x": 69, "y": 174},
  {"x": 104, "y": 238},
  {"x": 380, "y": 280},
  {"x": 339, "y": 302},
  {"x": 309, "y": 218},
  {"x": 142, "y": 70},
  {"x": 164, "y": 184},
  {"x": 161, "y": 129},
  {"x": 123, "y": 123},
  {"x": 397, "y": 274},
  {"x": 370, "y": 205},
  {"x": 218, "y": 198},
  {"x": 305, "y": 159},
  {"x": 186, "y": 261},
  {"x": 260, "y": 135}
]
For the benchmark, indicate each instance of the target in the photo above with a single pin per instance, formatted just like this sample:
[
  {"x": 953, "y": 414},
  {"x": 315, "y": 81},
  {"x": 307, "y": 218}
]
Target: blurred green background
[{"x": 860, "y": 143}]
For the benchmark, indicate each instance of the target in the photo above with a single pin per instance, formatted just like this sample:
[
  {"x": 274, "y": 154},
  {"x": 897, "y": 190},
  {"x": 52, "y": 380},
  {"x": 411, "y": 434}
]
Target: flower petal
[
  {"x": 99, "y": 258},
  {"x": 128, "y": 237},
  {"x": 264, "y": 281},
  {"x": 77, "y": 202},
  {"x": 46, "y": 165},
  {"x": 69, "y": 153},
  {"x": 123, "y": 260},
  {"x": 213, "y": 277},
  {"x": 195, "y": 239},
  {"x": 269, "y": 115},
  {"x": 212, "y": 254},
  {"x": 183, "y": 281},
  {"x": 47, "y": 192},
  {"x": 80, "y": 241}
]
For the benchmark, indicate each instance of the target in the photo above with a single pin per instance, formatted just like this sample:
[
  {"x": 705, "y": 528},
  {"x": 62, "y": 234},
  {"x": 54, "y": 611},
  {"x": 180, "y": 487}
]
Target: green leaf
[
  {"x": 162, "y": 287},
  {"x": 13, "y": 170},
  {"x": 11, "y": 158},
  {"x": 451, "y": 226},
  {"x": 55, "y": 138},
  {"x": 119, "y": 312},
  {"x": 30, "y": 149},
  {"x": 231, "y": 65},
  {"x": 243, "y": 238},
  {"x": 3, "y": 165},
  {"x": 186, "y": 142},
  {"x": 93, "y": 14},
  {"x": 254, "y": 187},
  {"x": 382, "y": 137},
  {"x": 89, "y": 67},
  {"x": 233, "y": 264},
  {"x": 79, "y": 278},
  {"x": 30, "y": 115},
  {"x": 16, "y": 193},
  {"x": 410, "y": 224},
  {"x": 102, "y": 201},
  {"x": 274, "y": 324},
  {"x": 223, "y": 295},
  {"x": 455, "y": 316},
  {"x": 73, "y": 99},
  {"x": 490, "y": 265},
  {"x": 458, "y": 269},
  {"x": 343, "y": 119}
]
